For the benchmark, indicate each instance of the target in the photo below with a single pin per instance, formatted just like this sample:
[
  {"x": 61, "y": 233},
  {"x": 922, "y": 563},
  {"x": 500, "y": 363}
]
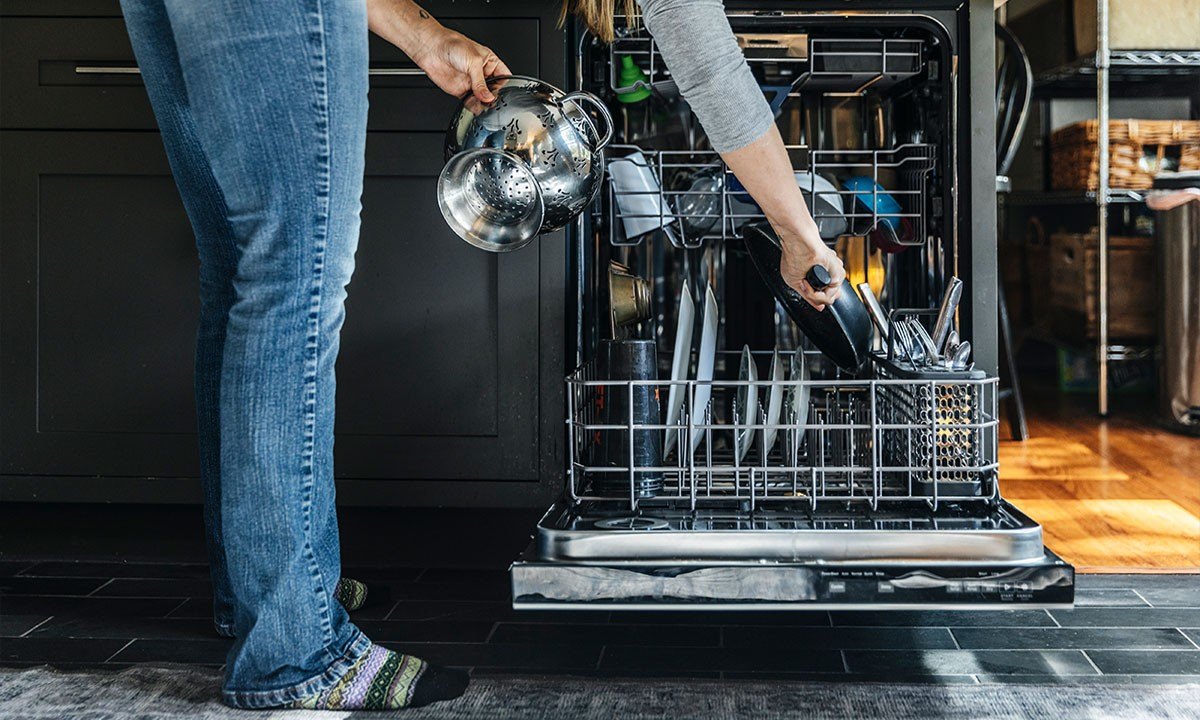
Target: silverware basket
[{"x": 883, "y": 440}]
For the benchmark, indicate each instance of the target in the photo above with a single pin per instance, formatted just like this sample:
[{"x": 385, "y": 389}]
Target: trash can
[{"x": 1176, "y": 202}]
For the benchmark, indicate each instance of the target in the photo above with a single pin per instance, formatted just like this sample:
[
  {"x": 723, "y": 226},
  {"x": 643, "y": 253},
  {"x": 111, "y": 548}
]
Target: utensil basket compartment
[{"x": 885, "y": 440}]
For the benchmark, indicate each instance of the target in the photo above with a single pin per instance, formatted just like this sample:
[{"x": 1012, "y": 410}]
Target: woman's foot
[
  {"x": 386, "y": 680},
  {"x": 352, "y": 594}
]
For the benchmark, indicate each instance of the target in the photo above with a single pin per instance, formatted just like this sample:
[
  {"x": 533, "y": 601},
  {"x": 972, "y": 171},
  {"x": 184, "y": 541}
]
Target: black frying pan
[{"x": 842, "y": 331}]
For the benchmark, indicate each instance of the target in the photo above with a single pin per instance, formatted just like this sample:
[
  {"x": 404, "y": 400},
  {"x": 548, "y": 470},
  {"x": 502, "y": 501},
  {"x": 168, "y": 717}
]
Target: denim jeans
[{"x": 263, "y": 110}]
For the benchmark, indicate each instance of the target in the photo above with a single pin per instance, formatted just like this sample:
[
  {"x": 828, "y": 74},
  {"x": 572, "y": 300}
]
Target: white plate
[
  {"x": 704, "y": 367},
  {"x": 746, "y": 410},
  {"x": 679, "y": 364},
  {"x": 796, "y": 406},
  {"x": 774, "y": 402}
]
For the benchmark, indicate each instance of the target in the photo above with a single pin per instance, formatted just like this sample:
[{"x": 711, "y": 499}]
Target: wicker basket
[{"x": 1137, "y": 150}]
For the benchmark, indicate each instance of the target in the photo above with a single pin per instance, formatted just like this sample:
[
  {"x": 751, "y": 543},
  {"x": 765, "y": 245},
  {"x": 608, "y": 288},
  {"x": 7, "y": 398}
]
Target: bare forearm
[
  {"x": 765, "y": 170},
  {"x": 404, "y": 24}
]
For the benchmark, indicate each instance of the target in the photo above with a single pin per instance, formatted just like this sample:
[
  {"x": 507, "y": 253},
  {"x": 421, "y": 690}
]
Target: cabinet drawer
[{"x": 80, "y": 73}]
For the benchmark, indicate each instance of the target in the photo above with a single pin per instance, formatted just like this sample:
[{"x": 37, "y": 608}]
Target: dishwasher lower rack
[{"x": 895, "y": 438}]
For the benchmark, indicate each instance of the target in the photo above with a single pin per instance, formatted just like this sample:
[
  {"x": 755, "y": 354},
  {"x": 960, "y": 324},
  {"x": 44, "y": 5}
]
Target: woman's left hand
[{"x": 459, "y": 65}]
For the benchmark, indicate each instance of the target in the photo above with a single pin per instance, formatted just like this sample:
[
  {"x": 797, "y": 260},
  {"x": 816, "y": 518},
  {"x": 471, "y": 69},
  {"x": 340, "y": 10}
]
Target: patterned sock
[
  {"x": 352, "y": 594},
  {"x": 386, "y": 680}
]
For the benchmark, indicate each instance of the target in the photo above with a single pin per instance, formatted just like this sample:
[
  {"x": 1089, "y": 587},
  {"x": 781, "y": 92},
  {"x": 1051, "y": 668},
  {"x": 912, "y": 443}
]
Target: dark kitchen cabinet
[{"x": 451, "y": 362}]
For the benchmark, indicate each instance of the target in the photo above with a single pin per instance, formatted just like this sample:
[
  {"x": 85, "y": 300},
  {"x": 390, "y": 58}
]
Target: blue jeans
[{"x": 263, "y": 111}]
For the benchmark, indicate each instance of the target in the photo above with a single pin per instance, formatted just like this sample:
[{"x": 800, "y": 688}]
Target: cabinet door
[
  {"x": 98, "y": 308},
  {"x": 438, "y": 367},
  {"x": 441, "y": 363}
]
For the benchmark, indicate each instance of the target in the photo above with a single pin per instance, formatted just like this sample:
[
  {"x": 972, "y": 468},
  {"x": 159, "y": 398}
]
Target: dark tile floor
[{"x": 1126, "y": 629}]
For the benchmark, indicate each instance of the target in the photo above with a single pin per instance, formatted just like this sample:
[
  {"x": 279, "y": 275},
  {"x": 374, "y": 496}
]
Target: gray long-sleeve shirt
[{"x": 698, "y": 45}]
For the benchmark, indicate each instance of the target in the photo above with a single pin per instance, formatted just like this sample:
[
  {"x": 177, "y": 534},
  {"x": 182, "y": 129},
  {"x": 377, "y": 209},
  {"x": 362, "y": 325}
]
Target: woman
[{"x": 263, "y": 110}]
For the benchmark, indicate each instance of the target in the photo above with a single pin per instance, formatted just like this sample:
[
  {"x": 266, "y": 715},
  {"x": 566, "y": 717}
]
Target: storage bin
[
  {"x": 1138, "y": 150},
  {"x": 1131, "y": 295},
  {"x": 1140, "y": 25}
]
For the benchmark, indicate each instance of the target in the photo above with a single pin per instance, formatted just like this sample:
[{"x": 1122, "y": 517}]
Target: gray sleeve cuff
[{"x": 702, "y": 53}]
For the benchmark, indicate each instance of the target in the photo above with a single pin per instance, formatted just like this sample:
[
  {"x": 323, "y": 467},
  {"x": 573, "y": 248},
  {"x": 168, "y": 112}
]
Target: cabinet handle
[
  {"x": 126, "y": 70},
  {"x": 397, "y": 71},
  {"x": 107, "y": 70}
]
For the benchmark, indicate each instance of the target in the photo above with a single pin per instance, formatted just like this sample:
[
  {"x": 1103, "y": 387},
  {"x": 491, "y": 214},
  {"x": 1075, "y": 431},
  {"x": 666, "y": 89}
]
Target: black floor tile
[
  {"x": 945, "y": 618},
  {"x": 851, "y": 678},
  {"x": 1147, "y": 662},
  {"x": 968, "y": 662},
  {"x": 608, "y": 634},
  {"x": 1113, "y": 597},
  {"x": 53, "y": 650},
  {"x": 487, "y": 611},
  {"x": 799, "y": 618},
  {"x": 667, "y": 659},
  {"x": 427, "y": 630},
  {"x": 491, "y": 576},
  {"x": 1138, "y": 581},
  {"x": 1128, "y": 617},
  {"x": 1069, "y": 638},
  {"x": 17, "y": 625},
  {"x": 118, "y": 569},
  {"x": 1188, "y": 597},
  {"x": 157, "y": 588},
  {"x": 194, "y": 608},
  {"x": 838, "y": 638},
  {"x": 12, "y": 567},
  {"x": 385, "y": 575},
  {"x": 481, "y": 591},
  {"x": 1025, "y": 679},
  {"x": 1165, "y": 679},
  {"x": 211, "y": 651},
  {"x": 22, "y": 585},
  {"x": 497, "y": 655},
  {"x": 127, "y": 627},
  {"x": 58, "y": 605}
]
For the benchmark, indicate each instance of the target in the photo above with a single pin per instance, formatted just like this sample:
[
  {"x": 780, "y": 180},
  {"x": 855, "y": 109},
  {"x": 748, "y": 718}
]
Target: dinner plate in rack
[
  {"x": 746, "y": 410},
  {"x": 679, "y": 365},
  {"x": 774, "y": 403},
  {"x": 705, "y": 361},
  {"x": 796, "y": 407}
]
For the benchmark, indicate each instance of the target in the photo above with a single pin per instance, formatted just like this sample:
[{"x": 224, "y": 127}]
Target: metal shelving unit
[{"x": 1131, "y": 73}]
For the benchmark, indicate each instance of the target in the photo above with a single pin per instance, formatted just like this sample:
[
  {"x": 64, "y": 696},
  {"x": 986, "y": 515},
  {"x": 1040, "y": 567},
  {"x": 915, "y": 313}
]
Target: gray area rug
[{"x": 168, "y": 693}]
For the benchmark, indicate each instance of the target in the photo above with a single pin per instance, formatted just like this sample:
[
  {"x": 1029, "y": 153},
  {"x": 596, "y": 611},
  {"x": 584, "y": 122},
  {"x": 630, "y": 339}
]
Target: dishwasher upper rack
[
  {"x": 882, "y": 441},
  {"x": 695, "y": 216},
  {"x": 849, "y": 65}
]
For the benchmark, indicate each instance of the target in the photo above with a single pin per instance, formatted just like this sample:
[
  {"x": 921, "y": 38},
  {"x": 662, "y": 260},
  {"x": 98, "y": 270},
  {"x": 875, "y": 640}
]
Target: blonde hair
[{"x": 598, "y": 15}]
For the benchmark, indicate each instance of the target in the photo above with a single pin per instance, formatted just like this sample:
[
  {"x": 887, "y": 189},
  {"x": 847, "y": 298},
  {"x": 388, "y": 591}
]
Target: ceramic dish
[
  {"x": 795, "y": 411},
  {"x": 679, "y": 365},
  {"x": 875, "y": 200},
  {"x": 705, "y": 362},
  {"x": 745, "y": 411},
  {"x": 774, "y": 403}
]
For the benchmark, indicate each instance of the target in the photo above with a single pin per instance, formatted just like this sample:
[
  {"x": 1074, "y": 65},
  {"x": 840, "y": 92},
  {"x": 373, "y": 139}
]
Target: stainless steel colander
[{"x": 527, "y": 163}]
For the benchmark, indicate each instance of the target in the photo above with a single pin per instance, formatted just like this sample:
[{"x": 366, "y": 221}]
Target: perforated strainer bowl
[{"x": 491, "y": 199}]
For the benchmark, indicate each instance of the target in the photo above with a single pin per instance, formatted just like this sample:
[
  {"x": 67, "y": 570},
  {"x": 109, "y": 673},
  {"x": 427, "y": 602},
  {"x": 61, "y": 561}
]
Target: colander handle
[{"x": 579, "y": 97}]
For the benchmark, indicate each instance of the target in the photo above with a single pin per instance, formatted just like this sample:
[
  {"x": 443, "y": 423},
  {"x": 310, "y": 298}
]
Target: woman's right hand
[{"x": 800, "y": 254}]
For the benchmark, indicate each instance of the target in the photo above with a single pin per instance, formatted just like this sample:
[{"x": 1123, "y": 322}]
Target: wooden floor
[{"x": 1113, "y": 495}]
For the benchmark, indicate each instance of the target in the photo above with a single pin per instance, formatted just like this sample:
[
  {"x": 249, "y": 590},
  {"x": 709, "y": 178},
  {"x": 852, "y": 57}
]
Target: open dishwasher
[{"x": 748, "y": 471}]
